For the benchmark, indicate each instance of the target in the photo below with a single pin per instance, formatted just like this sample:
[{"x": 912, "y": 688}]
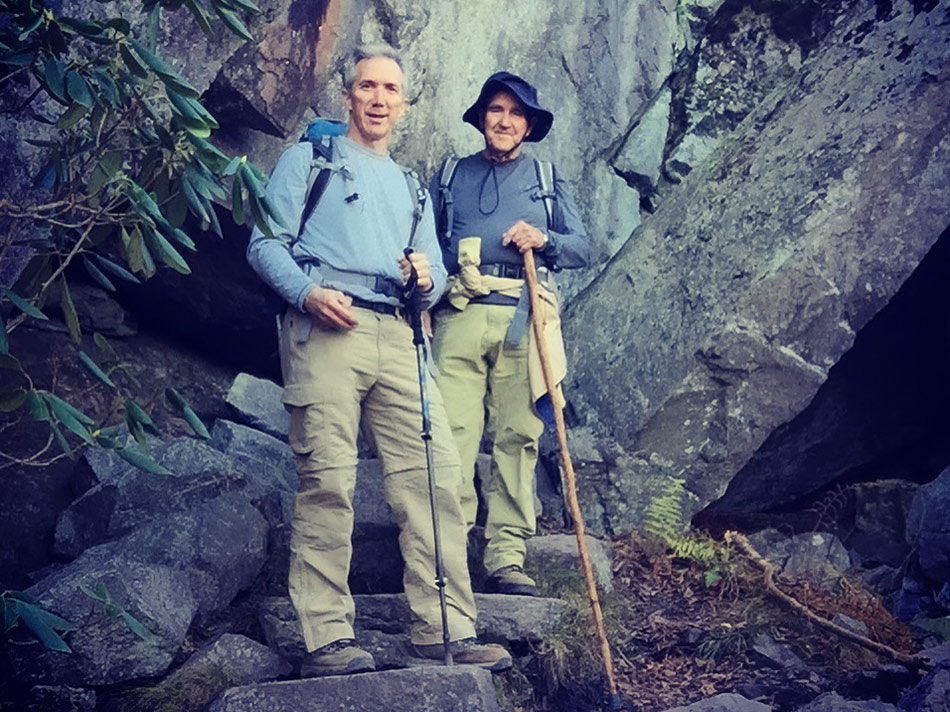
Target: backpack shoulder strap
[
  {"x": 320, "y": 171},
  {"x": 444, "y": 208},
  {"x": 546, "y": 191},
  {"x": 418, "y": 195}
]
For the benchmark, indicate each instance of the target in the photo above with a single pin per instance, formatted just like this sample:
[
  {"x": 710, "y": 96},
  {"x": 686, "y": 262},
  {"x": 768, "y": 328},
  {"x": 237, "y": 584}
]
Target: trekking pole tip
[{"x": 615, "y": 702}]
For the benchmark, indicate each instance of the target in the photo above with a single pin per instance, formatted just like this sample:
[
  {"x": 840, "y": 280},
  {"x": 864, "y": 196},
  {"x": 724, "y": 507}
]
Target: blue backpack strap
[
  {"x": 546, "y": 191},
  {"x": 319, "y": 133},
  {"x": 444, "y": 211}
]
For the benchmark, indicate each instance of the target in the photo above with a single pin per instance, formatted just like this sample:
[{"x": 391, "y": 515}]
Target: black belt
[
  {"x": 378, "y": 307},
  {"x": 510, "y": 271}
]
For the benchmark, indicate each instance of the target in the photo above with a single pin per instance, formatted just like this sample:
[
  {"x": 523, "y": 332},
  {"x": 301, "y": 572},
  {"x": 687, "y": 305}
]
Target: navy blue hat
[{"x": 526, "y": 94}]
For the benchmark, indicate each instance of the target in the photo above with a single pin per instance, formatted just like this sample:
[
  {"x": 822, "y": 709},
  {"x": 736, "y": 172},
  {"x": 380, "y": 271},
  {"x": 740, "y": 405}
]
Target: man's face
[
  {"x": 506, "y": 122},
  {"x": 376, "y": 101}
]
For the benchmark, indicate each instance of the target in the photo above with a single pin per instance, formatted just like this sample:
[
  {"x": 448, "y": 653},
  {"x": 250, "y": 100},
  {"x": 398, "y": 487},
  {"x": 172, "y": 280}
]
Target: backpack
[{"x": 444, "y": 205}]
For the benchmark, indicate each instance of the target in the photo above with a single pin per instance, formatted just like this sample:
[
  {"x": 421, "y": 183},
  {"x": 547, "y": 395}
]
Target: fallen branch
[{"x": 911, "y": 661}]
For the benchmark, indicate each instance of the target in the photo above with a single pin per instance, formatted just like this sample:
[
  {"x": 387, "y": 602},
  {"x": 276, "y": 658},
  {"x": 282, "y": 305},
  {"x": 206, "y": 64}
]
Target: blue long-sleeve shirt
[
  {"x": 491, "y": 197},
  {"x": 365, "y": 234}
]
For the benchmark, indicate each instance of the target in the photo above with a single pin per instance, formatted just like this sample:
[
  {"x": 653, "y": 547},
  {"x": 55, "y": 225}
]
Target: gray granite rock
[
  {"x": 104, "y": 650},
  {"x": 932, "y": 694},
  {"x": 229, "y": 661},
  {"x": 60, "y": 698},
  {"x": 426, "y": 689},
  {"x": 219, "y": 545},
  {"x": 254, "y": 448},
  {"x": 242, "y": 660},
  {"x": 833, "y": 702},
  {"x": 819, "y": 557},
  {"x": 726, "y": 702},
  {"x": 129, "y": 497},
  {"x": 165, "y": 573},
  {"x": 777, "y": 653},
  {"x": 256, "y": 402},
  {"x": 500, "y": 618},
  {"x": 553, "y": 553}
]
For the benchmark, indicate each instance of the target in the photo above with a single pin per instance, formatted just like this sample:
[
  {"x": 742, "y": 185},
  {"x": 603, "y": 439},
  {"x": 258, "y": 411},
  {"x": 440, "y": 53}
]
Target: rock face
[
  {"x": 721, "y": 318},
  {"x": 881, "y": 414}
]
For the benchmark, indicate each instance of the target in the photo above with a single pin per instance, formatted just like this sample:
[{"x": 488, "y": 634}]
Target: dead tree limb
[{"x": 911, "y": 661}]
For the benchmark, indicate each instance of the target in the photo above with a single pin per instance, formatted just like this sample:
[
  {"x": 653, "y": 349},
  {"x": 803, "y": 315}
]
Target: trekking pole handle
[{"x": 413, "y": 301}]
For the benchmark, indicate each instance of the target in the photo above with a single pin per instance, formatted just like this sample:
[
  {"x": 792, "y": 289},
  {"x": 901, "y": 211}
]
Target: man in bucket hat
[
  {"x": 347, "y": 354},
  {"x": 492, "y": 207}
]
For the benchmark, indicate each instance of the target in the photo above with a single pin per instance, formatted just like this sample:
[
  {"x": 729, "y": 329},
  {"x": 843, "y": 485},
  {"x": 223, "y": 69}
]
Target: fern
[
  {"x": 664, "y": 519},
  {"x": 664, "y": 515}
]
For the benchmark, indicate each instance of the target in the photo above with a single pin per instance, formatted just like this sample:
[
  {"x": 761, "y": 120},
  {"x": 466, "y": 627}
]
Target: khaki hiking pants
[
  {"x": 331, "y": 381},
  {"x": 474, "y": 363}
]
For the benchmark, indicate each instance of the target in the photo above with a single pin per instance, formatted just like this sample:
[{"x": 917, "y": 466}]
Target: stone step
[
  {"x": 424, "y": 689},
  {"x": 382, "y": 623}
]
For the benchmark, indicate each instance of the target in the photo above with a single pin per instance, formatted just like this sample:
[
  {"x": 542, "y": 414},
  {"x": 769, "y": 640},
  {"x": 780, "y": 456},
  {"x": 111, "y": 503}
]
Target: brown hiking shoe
[
  {"x": 341, "y": 657},
  {"x": 513, "y": 580},
  {"x": 468, "y": 651}
]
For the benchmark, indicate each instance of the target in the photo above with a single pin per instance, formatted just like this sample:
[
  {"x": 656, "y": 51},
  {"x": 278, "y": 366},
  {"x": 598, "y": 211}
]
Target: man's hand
[
  {"x": 420, "y": 261},
  {"x": 524, "y": 236},
  {"x": 330, "y": 308}
]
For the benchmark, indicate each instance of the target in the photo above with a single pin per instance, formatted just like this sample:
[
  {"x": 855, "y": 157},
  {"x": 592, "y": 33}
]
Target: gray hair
[{"x": 372, "y": 51}]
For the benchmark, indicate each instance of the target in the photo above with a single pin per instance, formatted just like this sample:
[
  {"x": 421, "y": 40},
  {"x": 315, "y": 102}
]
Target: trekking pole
[
  {"x": 614, "y": 699},
  {"x": 414, "y": 306}
]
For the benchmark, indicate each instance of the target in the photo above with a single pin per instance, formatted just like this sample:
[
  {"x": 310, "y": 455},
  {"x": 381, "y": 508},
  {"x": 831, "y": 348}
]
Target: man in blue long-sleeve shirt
[
  {"x": 492, "y": 211},
  {"x": 346, "y": 354}
]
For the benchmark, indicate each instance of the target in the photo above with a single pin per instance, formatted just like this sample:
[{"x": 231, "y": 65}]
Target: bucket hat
[{"x": 526, "y": 94}]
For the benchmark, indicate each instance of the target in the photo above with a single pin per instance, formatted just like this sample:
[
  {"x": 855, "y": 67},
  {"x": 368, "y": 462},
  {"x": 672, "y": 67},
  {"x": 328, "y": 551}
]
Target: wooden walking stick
[{"x": 614, "y": 699}]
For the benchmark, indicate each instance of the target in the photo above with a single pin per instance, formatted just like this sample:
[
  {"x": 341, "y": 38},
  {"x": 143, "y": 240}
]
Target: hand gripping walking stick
[
  {"x": 413, "y": 300},
  {"x": 614, "y": 699}
]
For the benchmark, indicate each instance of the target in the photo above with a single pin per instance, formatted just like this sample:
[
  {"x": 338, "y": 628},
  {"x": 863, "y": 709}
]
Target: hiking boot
[
  {"x": 513, "y": 580},
  {"x": 468, "y": 651},
  {"x": 341, "y": 657}
]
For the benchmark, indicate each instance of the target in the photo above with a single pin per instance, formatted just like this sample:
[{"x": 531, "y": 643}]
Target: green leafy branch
[
  {"x": 127, "y": 159},
  {"x": 45, "y": 625}
]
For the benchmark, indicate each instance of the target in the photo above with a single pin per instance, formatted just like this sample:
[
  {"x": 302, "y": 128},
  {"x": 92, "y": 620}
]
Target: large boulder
[
  {"x": 882, "y": 413},
  {"x": 104, "y": 649},
  {"x": 229, "y": 661},
  {"x": 719, "y": 321},
  {"x": 126, "y": 500},
  {"x": 166, "y": 573}
]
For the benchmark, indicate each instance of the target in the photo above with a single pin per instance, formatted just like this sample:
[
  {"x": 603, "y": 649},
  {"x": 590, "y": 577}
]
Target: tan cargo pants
[
  {"x": 330, "y": 382},
  {"x": 474, "y": 362}
]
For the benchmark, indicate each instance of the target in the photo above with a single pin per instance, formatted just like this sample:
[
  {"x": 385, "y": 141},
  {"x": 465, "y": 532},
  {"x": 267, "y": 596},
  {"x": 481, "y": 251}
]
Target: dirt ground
[{"x": 681, "y": 631}]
